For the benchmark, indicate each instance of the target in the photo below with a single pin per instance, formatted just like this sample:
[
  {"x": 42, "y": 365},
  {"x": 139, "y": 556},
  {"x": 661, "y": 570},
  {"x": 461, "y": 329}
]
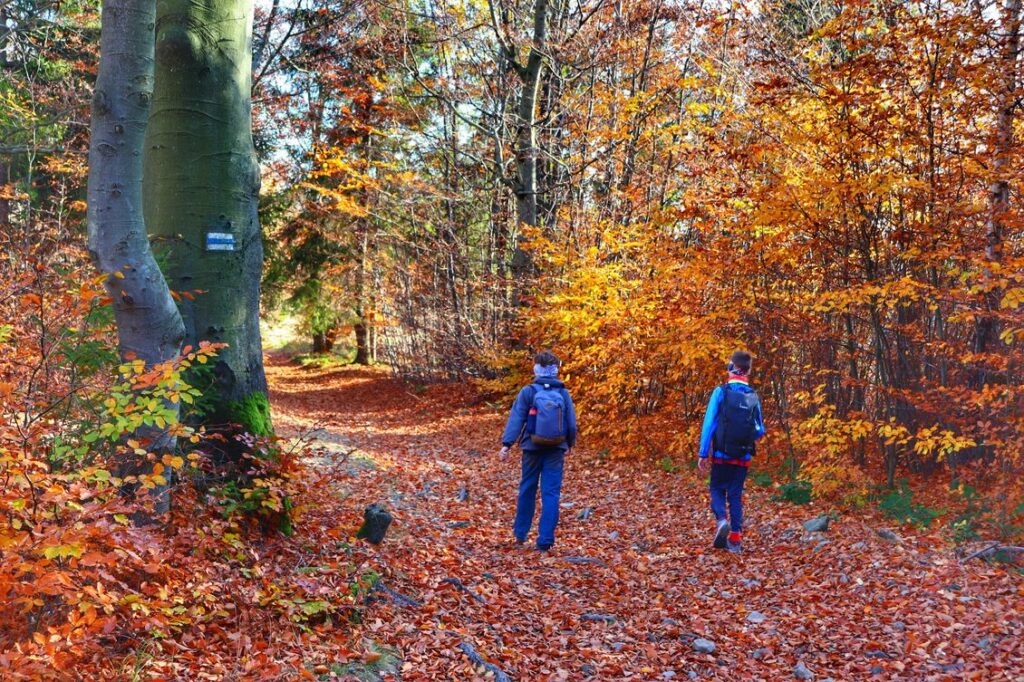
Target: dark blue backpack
[
  {"x": 736, "y": 434},
  {"x": 546, "y": 424}
]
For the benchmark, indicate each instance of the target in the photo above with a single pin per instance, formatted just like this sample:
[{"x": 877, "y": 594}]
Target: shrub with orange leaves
[{"x": 88, "y": 580}]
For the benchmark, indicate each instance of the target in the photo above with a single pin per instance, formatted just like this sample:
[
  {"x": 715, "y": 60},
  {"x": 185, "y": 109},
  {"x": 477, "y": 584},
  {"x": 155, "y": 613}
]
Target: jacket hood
[{"x": 549, "y": 381}]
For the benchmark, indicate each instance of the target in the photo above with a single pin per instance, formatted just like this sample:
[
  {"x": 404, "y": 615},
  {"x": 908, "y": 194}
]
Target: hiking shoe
[
  {"x": 733, "y": 543},
  {"x": 543, "y": 548},
  {"x": 721, "y": 534}
]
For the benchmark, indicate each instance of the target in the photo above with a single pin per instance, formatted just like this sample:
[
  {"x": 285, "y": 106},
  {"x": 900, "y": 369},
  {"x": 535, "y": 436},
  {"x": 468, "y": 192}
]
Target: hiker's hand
[
  {"x": 702, "y": 464},
  {"x": 503, "y": 453}
]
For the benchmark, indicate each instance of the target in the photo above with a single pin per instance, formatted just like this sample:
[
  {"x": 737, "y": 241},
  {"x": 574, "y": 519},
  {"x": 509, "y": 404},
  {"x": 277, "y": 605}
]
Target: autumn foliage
[
  {"x": 643, "y": 187},
  {"x": 821, "y": 195}
]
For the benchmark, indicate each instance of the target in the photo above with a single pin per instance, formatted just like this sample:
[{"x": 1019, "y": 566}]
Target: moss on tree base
[{"x": 252, "y": 413}]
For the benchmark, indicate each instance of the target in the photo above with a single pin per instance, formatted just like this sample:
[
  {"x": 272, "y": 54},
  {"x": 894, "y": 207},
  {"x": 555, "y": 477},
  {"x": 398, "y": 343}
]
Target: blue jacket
[
  {"x": 711, "y": 421},
  {"x": 514, "y": 428}
]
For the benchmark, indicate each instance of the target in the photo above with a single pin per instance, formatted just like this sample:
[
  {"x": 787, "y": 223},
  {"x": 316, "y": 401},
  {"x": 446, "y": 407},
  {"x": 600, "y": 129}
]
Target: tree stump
[{"x": 376, "y": 520}]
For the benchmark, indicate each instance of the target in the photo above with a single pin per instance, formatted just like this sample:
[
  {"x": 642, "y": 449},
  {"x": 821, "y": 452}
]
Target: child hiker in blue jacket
[
  {"x": 732, "y": 426},
  {"x": 543, "y": 422}
]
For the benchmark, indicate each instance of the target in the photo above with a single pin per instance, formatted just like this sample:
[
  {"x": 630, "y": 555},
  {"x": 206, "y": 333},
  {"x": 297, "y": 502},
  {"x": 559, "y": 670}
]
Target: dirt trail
[{"x": 628, "y": 589}]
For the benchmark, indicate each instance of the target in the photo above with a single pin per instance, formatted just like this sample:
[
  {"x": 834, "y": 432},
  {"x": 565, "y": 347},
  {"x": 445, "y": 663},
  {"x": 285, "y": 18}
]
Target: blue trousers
[
  {"x": 727, "y": 486},
  {"x": 543, "y": 467}
]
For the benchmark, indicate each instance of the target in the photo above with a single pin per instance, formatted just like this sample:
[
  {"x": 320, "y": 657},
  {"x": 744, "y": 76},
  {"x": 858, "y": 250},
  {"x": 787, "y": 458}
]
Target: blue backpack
[{"x": 546, "y": 423}]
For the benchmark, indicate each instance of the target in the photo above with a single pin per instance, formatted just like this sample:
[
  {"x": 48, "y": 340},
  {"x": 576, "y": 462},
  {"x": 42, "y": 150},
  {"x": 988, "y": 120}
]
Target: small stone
[
  {"x": 899, "y": 626},
  {"x": 819, "y": 524},
  {"x": 756, "y": 617},
  {"x": 887, "y": 534},
  {"x": 463, "y": 494},
  {"x": 750, "y": 582},
  {"x": 844, "y": 579},
  {"x": 704, "y": 646},
  {"x": 692, "y": 675},
  {"x": 585, "y": 513},
  {"x": 670, "y": 622},
  {"x": 801, "y": 672},
  {"x": 598, "y": 617},
  {"x": 588, "y": 669},
  {"x": 668, "y": 674},
  {"x": 376, "y": 521},
  {"x": 617, "y": 646},
  {"x": 758, "y": 654},
  {"x": 877, "y": 670},
  {"x": 614, "y": 535},
  {"x": 725, "y": 594},
  {"x": 820, "y": 546}
]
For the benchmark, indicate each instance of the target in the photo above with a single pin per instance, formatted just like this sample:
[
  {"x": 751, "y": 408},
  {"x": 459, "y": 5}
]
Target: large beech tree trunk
[
  {"x": 148, "y": 324},
  {"x": 201, "y": 189}
]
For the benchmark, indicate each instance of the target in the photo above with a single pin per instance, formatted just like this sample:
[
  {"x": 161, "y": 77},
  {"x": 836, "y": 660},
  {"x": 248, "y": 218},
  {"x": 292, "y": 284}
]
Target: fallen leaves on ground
[{"x": 631, "y": 585}]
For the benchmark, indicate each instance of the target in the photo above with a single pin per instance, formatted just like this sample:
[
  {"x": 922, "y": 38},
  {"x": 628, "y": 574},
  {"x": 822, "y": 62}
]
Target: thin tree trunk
[
  {"x": 5, "y": 203},
  {"x": 202, "y": 185},
  {"x": 361, "y": 325},
  {"x": 999, "y": 191},
  {"x": 149, "y": 326},
  {"x": 527, "y": 150}
]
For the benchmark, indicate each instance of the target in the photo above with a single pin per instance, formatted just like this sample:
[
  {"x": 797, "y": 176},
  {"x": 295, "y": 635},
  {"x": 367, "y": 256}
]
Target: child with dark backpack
[
  {"x": 543, "y": 422},
  {"x": 732, "y": 426}
]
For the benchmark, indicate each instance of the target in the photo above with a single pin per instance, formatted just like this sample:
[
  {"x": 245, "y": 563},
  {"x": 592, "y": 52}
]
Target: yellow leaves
[
  {"x": 894, "y": 434},
  {"x": 940, "y": 442},
  {"x": 173, "y": 461},
  {"x": 882, "y": 294},
  {"x": 62, "y": 551},
  {"x": 1012, "y": 299}
]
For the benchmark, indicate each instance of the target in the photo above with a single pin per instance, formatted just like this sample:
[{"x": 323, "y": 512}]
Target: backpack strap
[
  {"x": 522, "y": 431},
  {"x": 721, "y": 401}
]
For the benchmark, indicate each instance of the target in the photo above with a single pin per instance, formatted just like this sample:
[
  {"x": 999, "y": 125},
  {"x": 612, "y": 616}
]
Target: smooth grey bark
[
  {"x": 527, "y": 150},
  {"x": 149, "y": 326},
  {"x": 201, "y": 189}
]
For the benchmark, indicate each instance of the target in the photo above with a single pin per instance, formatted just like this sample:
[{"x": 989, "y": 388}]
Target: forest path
[{"x": 627, "y": 590}]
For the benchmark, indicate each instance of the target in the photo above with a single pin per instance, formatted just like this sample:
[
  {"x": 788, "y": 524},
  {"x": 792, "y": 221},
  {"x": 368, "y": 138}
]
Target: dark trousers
[
  {"x": 727, "y": 486},
  {"x": 543, "y": 467}
]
